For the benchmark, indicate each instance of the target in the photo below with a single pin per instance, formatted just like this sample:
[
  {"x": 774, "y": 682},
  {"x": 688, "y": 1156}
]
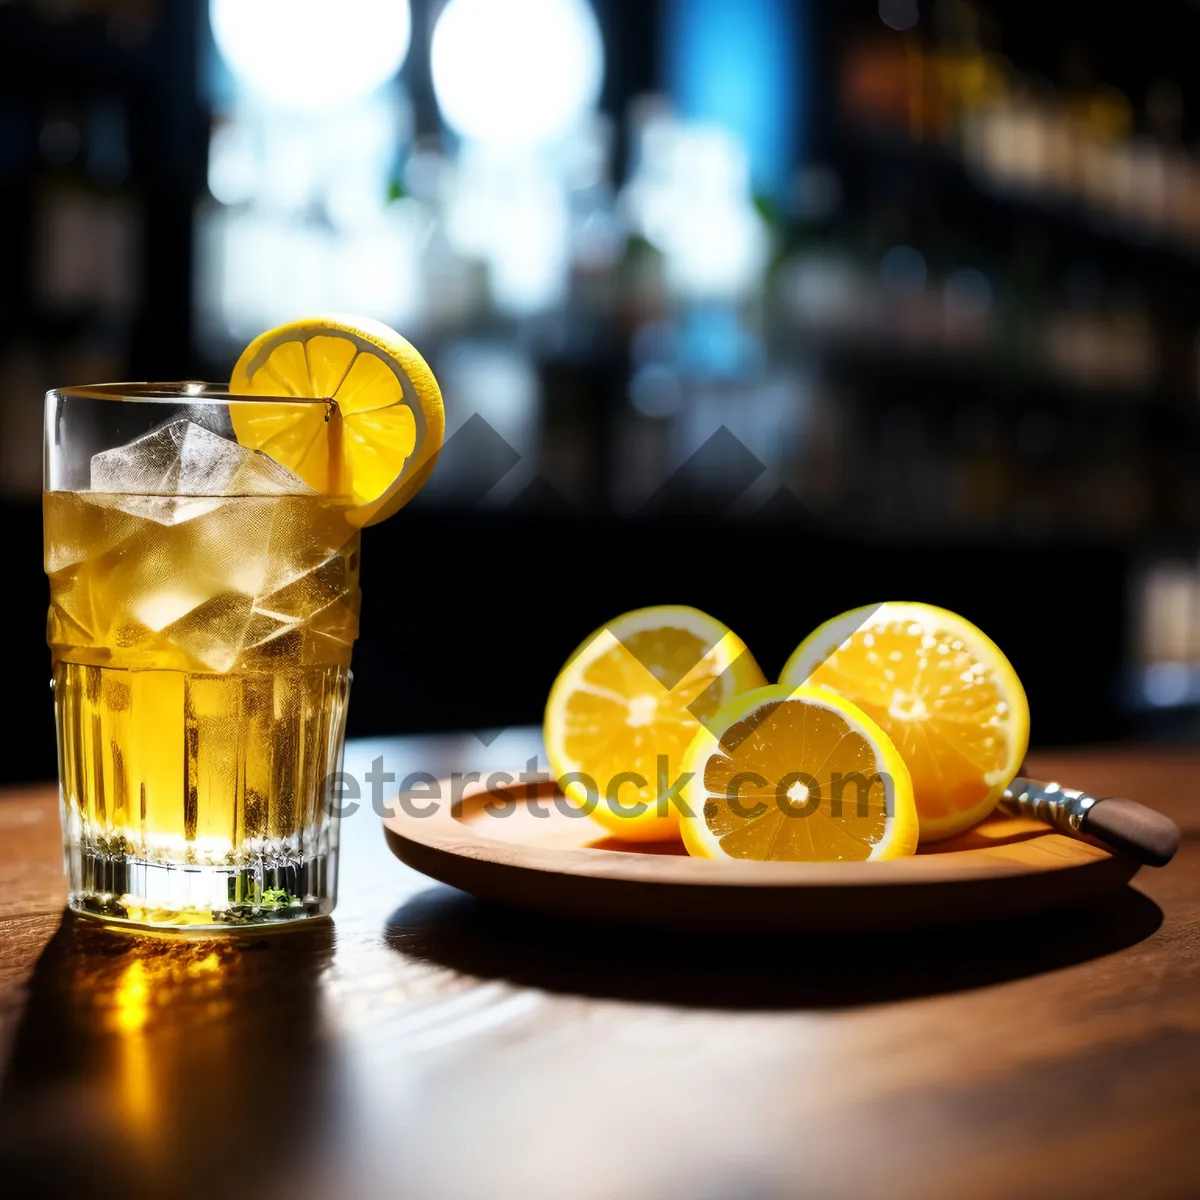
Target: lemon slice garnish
[{"x": 378, "y": 440}]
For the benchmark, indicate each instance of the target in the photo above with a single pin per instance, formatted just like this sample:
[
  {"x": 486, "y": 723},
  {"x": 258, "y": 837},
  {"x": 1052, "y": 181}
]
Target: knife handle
[
  {"x": 1133, "y": 829},
  {"x": 1124, "y": 825}
]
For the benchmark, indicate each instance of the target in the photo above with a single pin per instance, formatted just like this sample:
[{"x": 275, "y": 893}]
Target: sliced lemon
[
  {"x": 789, "y": 774},
  {"x": 379, "y": 439},
  {"x": 942, "y": 691},
  {"x": 626, "y": 706}
]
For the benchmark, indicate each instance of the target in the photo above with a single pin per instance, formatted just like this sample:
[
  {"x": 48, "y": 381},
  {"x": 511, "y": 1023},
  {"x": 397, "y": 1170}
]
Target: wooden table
[{"x": 423, "y": 1045}]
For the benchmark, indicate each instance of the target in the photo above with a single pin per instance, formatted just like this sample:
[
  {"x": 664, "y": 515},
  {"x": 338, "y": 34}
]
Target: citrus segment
[
  {"x": 796, "y": 775},
  {"x": 626, "y": 706},
  {"x": 942, "y": 691},
  {"x": 379, "y": 434}
]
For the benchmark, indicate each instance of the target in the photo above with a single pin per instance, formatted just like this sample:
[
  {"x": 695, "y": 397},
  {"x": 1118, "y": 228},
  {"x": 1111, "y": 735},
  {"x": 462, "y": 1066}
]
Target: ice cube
[
  {"x": 308, "y": 593},
  {"x": 148, "y": 465},
  {"x": 77, "y": 529},
  {"x": 184, "y": 460},
  {"x": 157, "y": 610},
  {"x": 336, "y": 621},
  {"x": 74, "y": 596},
  {"x": 304, "y": 538},
  {"x": 216, "y": 632},
  {"x": 63, "y": 630},
  {"x": 163, "y": 510},
  {"x": 261, "y": 475},
  {"x": 263, "y": 628}
]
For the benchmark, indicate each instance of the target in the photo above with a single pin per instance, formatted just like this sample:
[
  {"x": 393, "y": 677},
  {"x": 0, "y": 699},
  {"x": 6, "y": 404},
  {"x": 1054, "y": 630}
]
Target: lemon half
[
  {"x": 628, "y": 703},
  {"x": 943, "y": 692},
  {"x": 785, "y": 774}
]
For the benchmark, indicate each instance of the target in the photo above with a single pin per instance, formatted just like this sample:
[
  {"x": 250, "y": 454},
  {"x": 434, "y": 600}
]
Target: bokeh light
[
  {"x": 522, "y": 72},
  {"x": 307, "y": 55}
]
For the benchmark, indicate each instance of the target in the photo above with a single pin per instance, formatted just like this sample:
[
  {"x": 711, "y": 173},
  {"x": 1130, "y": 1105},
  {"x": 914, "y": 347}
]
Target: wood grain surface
[{"x": 423, "y": 1044}]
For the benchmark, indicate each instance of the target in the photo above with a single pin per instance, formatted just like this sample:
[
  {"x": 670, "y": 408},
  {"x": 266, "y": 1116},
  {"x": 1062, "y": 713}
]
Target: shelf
[
  {"x": 987, "y": 375},
  {"x": 1076, "y": 227}
]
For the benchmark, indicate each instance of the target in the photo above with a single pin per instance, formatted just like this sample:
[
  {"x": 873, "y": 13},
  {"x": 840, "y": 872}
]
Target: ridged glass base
[
  {"x": 269, "y": 890},
  {"x": 199, "y": 800}
]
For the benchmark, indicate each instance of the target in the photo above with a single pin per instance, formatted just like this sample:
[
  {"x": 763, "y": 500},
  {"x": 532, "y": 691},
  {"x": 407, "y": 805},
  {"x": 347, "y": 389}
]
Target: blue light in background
[
  {"x": 713, "y": 344},
  {"x": 739, "y": 64}
]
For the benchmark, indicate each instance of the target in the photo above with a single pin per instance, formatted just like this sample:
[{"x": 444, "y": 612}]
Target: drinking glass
[{"x": 203, "y": 605}]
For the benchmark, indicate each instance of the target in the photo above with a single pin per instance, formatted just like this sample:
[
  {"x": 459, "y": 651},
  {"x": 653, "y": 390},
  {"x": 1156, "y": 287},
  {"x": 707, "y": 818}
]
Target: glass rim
[{"x": 187, "y": 391}]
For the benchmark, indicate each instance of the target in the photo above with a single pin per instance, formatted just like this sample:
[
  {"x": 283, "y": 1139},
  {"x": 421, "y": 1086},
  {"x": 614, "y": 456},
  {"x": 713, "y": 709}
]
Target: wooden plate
[{"x": 516, "y": 846}]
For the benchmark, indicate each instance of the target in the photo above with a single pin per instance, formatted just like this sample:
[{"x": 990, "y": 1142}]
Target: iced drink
[{"x": 203, "y": 605}]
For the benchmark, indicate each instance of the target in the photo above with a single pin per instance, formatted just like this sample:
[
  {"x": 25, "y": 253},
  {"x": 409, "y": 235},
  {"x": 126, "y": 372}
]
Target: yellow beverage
[
  {"x": 202, "y": 545},
  {"x": 201, "y": 649}
]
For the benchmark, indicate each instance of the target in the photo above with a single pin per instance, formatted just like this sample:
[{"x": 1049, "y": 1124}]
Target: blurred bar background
[{"x": 773, "y": 308}]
